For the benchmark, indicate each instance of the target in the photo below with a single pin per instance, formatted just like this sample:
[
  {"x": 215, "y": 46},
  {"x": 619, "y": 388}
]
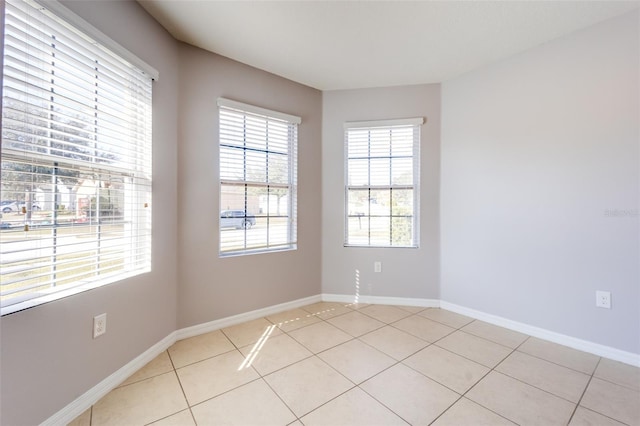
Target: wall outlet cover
[
  {"x": 99, "y": 325},
  {"x": 603, "y": 299}
]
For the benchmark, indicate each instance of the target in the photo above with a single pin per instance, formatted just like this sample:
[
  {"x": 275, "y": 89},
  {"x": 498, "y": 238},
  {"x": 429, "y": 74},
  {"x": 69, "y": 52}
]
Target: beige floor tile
[
  {"x": 562, "y": 355},
  {"x": 140, "y": 403},
  {"x": 194, "y": 349},
  {"x": 584, "y": 417},
  {"x": 319, "y": 337},
  {"x": 213, "y": 376},
  {"x": 475, "y": 348},
  {"x": 326, "y": 310},
  {"x": 415, "y": 398},
  {"x": 560, "y": 381},
  {"x": 352, "y": 408},
  {"x": 274, "y": 353},
  {"x": 293, "y": 319},
  {"x": 355, "y": 323},
  {"x": 356, "y": 306},
  {"x": 519, "y": 402},
  {"x": 503, "y": 336},
  {"x": 466, "y": 412},
  {"x": 385, "y": 313},
  {"x": 159, "y": 365},
  {"x": 183, "y": 418},
  {"x": 619, "y": 373},
  {"x": 423, "y": 328},
  {"x": 306, "y": 385},
  {"x": 393, "y": 342},
  {"x": 252, "y": 404},
  {"x": 83, "y": 419},
  {"x": 615, "y": 401},
  {"x": 446, "y": 317},
  {"x": 356, "y": 360},
  {"x": 412, "y": 309},
  {"x": 250, "y": 332},
  {"x": 447, "y": 368},
  {"x": 296, "y": 423}
]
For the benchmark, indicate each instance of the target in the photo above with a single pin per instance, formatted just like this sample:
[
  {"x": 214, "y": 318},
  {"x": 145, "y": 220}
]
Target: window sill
[
  {"x": 257, "y": 251},
  {"x": 52, "y": 296}
]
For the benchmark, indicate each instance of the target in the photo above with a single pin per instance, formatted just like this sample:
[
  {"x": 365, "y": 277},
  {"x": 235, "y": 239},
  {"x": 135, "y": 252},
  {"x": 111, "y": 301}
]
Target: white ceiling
[{"x": 354, "y": 44}]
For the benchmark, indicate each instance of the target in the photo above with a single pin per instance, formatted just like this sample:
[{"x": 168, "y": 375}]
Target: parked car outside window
[
  {"x": 236, "y": 219},
  {"x": 9, "y": 206},
  {"x": 16, "y": 206}
]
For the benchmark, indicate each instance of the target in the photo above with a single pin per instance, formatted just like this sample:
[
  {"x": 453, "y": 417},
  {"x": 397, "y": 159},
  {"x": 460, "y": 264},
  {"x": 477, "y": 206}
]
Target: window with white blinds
[
  {"x": 258, "y": 178},
  {"x": 76, "y": 160},
  {"x": 382, "y": 183}
]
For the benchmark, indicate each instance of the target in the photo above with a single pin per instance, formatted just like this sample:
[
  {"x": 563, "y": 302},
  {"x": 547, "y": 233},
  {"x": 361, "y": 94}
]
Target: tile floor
[{"x": 336, "y": 364}]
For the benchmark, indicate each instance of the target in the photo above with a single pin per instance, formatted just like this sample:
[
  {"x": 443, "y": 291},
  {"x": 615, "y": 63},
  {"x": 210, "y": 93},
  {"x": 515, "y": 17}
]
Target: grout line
[
  {"x": 446, "y": 409},
  {"x": 603, "y": 415},
  {"x": 539, "y": 388},
  {"x": 325, "y": 403},
  {"x": 556, "y": 363},
  {"x": 615, "y": 383},
  {"x": 492, "y": 369},
  {"x": 492, "y": 341},
  {"x": 223, "y": 393},
  {"x": 584, "y": 391},
  {"x": 184, "y": 394},
  {"x": 382, "y": 403},
  {"x": 326, "y": 349},
  {"x": 280, "y": 398}
]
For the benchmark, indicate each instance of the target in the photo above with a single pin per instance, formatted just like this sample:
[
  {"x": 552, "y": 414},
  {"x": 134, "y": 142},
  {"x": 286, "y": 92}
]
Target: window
[
  {"x": 76, "y": 158},
  {"x": 258, "y": 178},
  {"x": 382, "y": 183}
]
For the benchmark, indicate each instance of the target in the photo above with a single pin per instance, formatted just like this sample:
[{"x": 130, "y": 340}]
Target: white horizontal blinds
[
  {"x": 382, "y": 164},
  {"x": 66, "y": 84},
  {"x": 258, "y": 156},
  {"x": 76, "y": 159}
]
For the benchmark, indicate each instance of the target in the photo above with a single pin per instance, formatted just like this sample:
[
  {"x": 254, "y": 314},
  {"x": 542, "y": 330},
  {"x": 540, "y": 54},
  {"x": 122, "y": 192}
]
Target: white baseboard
[
  {"x": 381, "y": 300},
  {"x": 93, "y": 395},
  {"x": 572, "y": 342},
  {"x": 206, "y": 327}
]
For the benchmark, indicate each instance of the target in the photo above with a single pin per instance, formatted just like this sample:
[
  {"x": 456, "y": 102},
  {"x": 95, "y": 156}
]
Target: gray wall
[
  {"x": 405, "y": 272},
  {"x": 211, "y": 288},
  {"x": 48, "y": 355},
  {"x": 535, "y": 150}
]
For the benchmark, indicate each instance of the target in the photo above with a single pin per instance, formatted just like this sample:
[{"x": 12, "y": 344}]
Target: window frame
[
  {"x": 68, "y": 29},
  {"x": 227, "y": 108},
  {"x": 380, "y": 125}
]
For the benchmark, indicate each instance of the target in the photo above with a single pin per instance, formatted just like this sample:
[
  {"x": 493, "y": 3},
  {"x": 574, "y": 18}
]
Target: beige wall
[
  {"x": 535, "y": 150},
  {"x": 405, "y": 272},
  {"x": 209, "y": 287},
  {"x": 48, "y": 356}
]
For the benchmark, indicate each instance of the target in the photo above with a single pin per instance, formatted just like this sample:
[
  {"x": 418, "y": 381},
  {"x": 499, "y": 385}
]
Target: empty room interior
[{"x": 326, "y": 213}]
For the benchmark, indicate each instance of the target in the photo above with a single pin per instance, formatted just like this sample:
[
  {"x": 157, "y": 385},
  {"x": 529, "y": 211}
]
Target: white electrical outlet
[
  {"x": 603, "y": 299},
  {"x": 99, "y": 325},
  {"x": 377, "y": 266}
]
